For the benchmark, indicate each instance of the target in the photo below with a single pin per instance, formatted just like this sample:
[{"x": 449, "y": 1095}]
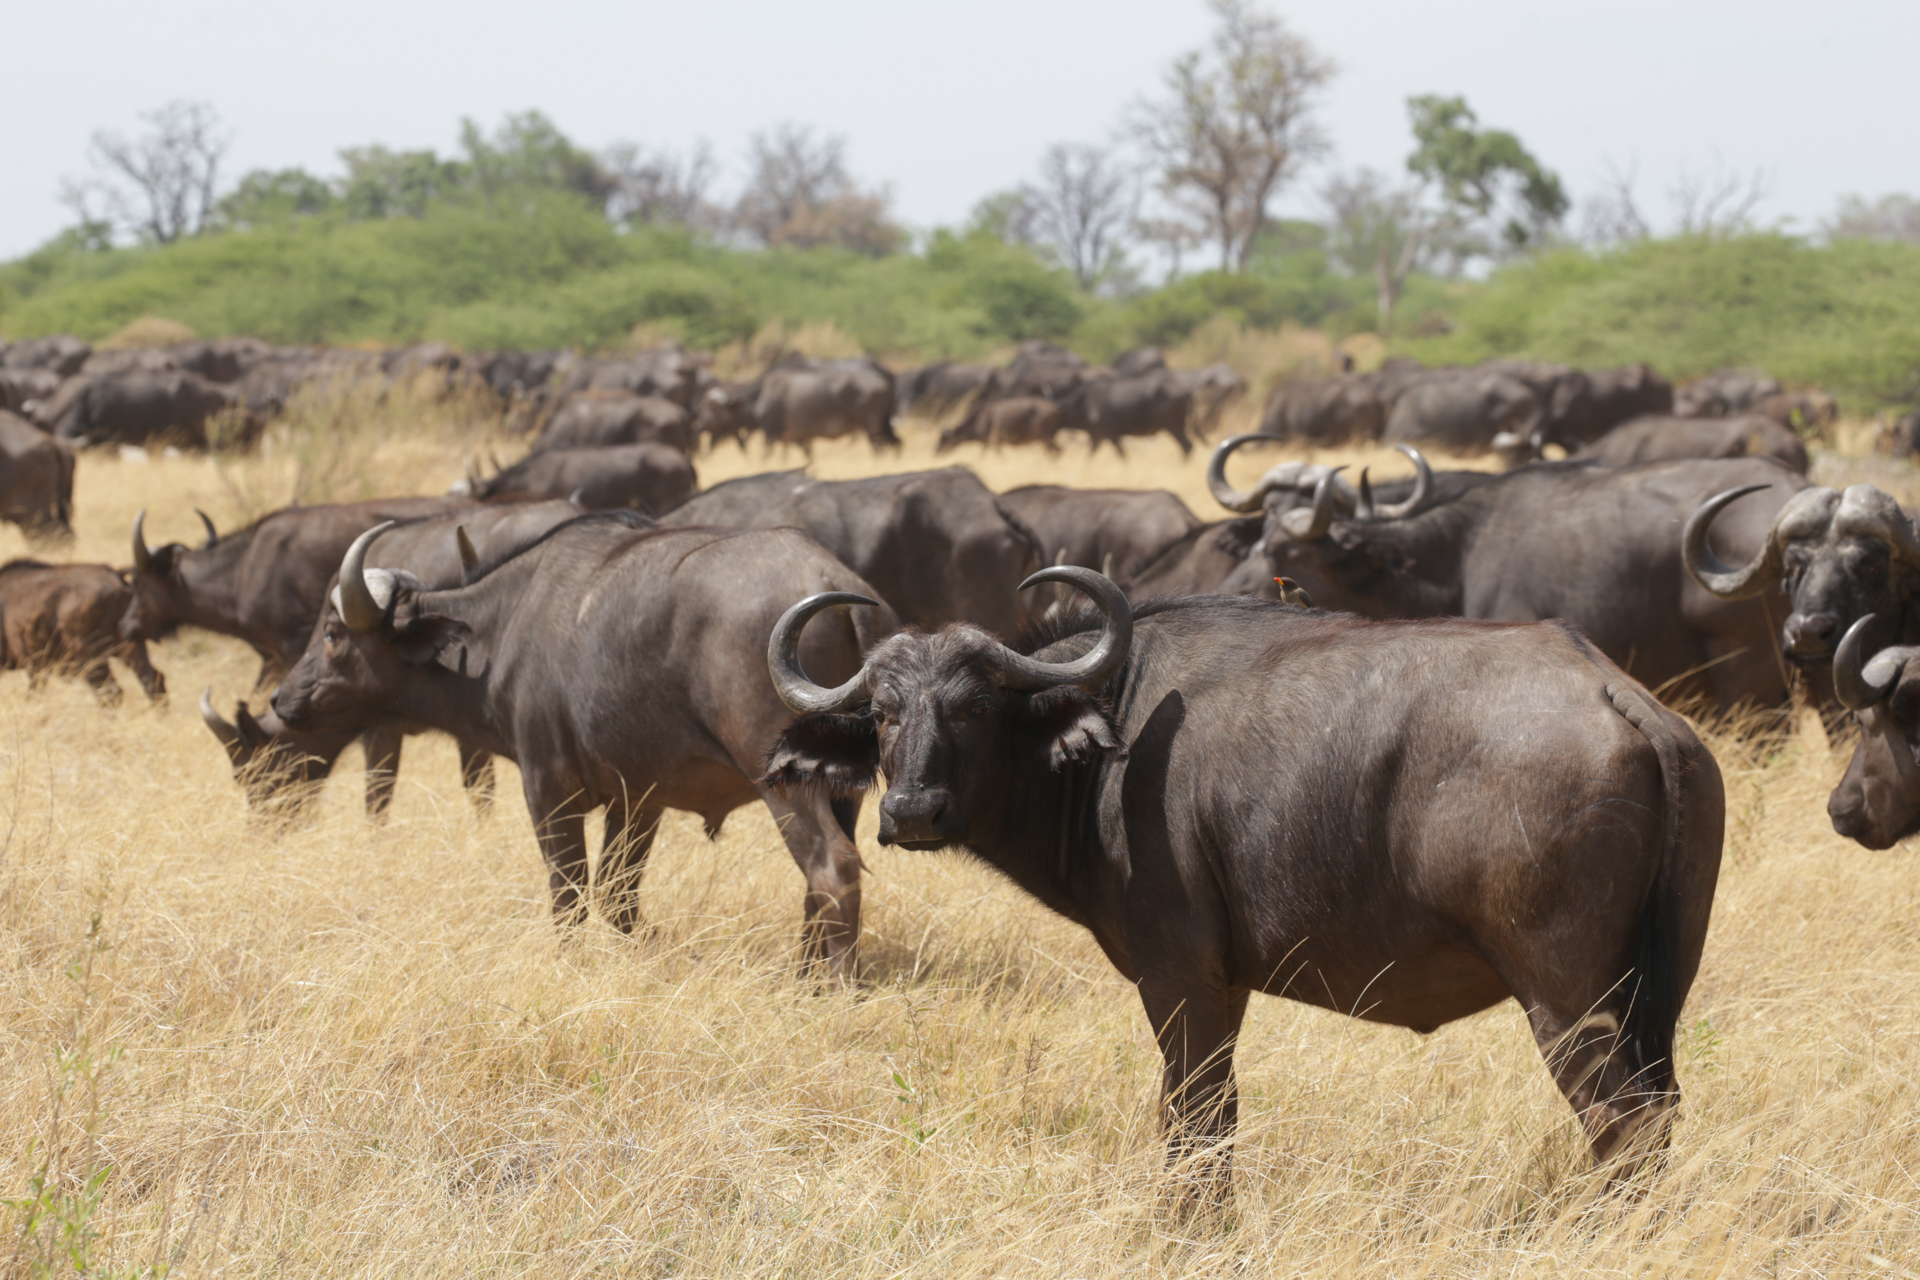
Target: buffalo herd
[{"x": 1400, "y": 747}]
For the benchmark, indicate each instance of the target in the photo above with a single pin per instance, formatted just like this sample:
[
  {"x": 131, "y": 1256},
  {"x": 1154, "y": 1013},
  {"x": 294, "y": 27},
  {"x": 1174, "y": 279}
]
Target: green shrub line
[{"x": 537, "y": 269}]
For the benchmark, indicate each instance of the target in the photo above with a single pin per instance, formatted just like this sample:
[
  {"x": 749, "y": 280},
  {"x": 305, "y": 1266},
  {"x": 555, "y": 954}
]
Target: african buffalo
[
  {"x": 937, "y": 545},
  {"x": 1212, "y": 389},
  {"x": 1836, "y": 557},
  {"x": 671, "y": 372},
  {"x": 1878, "y": 800},
  {"x": 36, "y": 479},
  {"x": 1600, "y": 547},
  {"x": 931, "y": 390},
  {"x": 799, "y": 401},
  {"x": 644, "y": 477},
  {"x": 279, "y": 769},
  {"x": 64, "y": 619},
  {"x": 1324, "y": 411},
  {"x": 25, "y": 391},
  {"x": 1111, "y": 408},
  {"x": 62, "y": 353},
  {"x": 617, "y": 664},
  {"x": 1465, "y": 412},
  {"x": 1657, "y": 439},
  {"x": 1724, "y": 392},
  {"x": 1013, "y": 420},
  {"x": 142, "y": 406},
  {"x": 263, "y": 584},
  {"x": 1436, "y": 817},
  {"x": 598, "y": 418},
  {"x": 1117, "y": 531}
]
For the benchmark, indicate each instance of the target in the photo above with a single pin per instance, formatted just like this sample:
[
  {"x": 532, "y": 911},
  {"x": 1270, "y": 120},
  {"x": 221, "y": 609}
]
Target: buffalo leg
[
  {"x": 1623, "y": 1101},
  {"x": 623, "y": 860},
  {"x": 134, "y": 654},
  {"x": 822, "y": 846},
  {"x": 382, "y": 746},
  {"x": 476, "y": 775},
  {"x": 560, "y": 825},
  {"x": 1197, "y": 1024},
  {"x": 100, "y": 679}
]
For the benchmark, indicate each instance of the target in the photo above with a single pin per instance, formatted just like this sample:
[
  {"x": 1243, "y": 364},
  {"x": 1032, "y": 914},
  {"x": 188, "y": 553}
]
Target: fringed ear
[
  {"x": 436, "y": 638},
  {"x": 1074, "y": 725},
  {"x": 826, "y": 751}
]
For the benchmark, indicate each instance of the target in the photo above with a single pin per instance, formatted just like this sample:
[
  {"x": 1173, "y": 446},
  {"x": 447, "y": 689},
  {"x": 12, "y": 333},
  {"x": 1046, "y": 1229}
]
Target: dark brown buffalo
[
  {"x": 1014, "y": 420},
  {"x": 1116, "y": 531},
  {"x": 1465, "y": 412},
  {"x": 24, "y": 391},
  {"x": 36, "y": 479},
  {"x": 1324, "y": 411},
  {"x": 1658, "y": 439},
  {"x": 1212, "y": 388},
  {"x": 1878, "y": 800},
  {"x": 1110, "y": 409},
  {"x": 263, "y": 584},
  {"x": 671, "y": 372},
  {"x": 1724, "y": 392},
  {"x": 621, "y": 666},
  {"x": 1198, "y": 561},
  {"x": 1800, "y": 411},
  {"x": 1600, "y": 547},
  {"x": 1436, "y": 817},
  {"x": 799, "y": 401},
  {"x": 933, "y": 389},
  {"x": 641, "y": 477},
  {"x": 142, "y": 407},
  {"x": 597, "y": 418},
  {"x": 938, "y": 545},
  {"x": 1836, "y": 557},
  {"x": 280, "y": 770},
  {"x": 62, "y": 353},
  {"x": 64, "y": 619}
]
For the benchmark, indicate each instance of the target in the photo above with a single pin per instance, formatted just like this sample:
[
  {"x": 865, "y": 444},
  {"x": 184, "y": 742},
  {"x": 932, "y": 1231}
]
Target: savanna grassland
[{"x": 350, "y": 1049}]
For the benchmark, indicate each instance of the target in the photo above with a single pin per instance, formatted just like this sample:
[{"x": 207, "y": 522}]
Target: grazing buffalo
[
  {"x": 598, "y": 418},
  {"x": 1656, "y": 439},
  {"x": 1403, "y": 823},
  {"x": 644, "y": 477},
  {"x": 141, "y": 407},
  {"x": 1724, "y": 392},
  {"x": 799, "y": 401},
  {"x": 279, "y": 770},
  {"x": 1324, "y": 411},
  {"x": 1013, "y": 420},
  {"x": 937, "y": 545},
  {"x": 1600, "y": 547},
  {"x": 1837, "y": 556},
  {"x": 1878, "y": 800},
  {"x": 1212, "y": 389},
  {"x": 1116, "y": 531},
  {"x": 36, "y": 479},
  {"x": 64, "y": 619},
  {"x": 264, "y": 584},
  {"x": 618, "y": 664},
  {"x": 1465, "y": 412}
]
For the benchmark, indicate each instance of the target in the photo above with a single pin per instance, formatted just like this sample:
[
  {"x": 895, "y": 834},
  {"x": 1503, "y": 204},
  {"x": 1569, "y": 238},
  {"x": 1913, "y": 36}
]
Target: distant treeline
[{"x": 541, "y": 270}]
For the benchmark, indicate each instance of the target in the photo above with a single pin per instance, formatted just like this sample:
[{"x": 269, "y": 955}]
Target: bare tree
[
  {"x": 1380, "y": 230},
  {"x": 800, "y": 193},
  {"x": 661, "y": 186},
  {"x": 162, "y": 185},
  {"x": 1173, "y": 237},
  {"x": 1715, "y": 201},
  {"x": 1891, "y": 217},
  {"x": 1078, "y": 209},
  {"x": 1236, "y": 124},
  {"x": 1612, "y": 218}
]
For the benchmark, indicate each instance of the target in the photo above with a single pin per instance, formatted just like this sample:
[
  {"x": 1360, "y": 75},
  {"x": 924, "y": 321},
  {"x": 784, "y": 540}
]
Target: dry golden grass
[
  {"x": 147, "y": 331},
  {"x": 349, "y": 1049}
]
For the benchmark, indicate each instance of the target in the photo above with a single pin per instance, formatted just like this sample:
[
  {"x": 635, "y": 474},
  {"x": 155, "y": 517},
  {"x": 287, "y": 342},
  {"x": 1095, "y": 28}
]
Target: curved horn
[
  {"x": 213, "y": 534},
  {"x": 358, "y": 609},
  {"x": 1850, "y": 683},
  {"x": 1092, "y": 668},
  {"x": 142, "y": 558},
  {"x": 473, "y": 475},
  {"x": 228, "y": 735},
  {"x": 1312, "y": 525},
  {"x": 801, "y": 694},
  {"x": 576, "y": 497},
  {"x": 1363, "y": 509},
  {"x": 1422, "y": 494},
  {"x": 1225, "y": 494},
  {"x": 469, "y": 558},
  {"x": 1706, "y": 568}
]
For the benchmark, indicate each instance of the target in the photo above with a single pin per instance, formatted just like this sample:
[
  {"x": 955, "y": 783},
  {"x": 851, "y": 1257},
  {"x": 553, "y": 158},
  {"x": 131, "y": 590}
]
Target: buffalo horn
[
  {"x": 358, "y": 609},
  {"x": 142, "y": 558},
  {"x": 473, "y": 476},
  {"x": 1867, "y": 512},
  {"x": 469, "y": 558},
  {"x": 228, "y": 735},
  {"x": 801, "y": 694},
  {"x": 1363, "y": 509},
  {"x": 1722, "y": 580},
  {"x": 1422, "y": 489},
  {"x": 1850, "y": 683},
  {"x": 1225, "y": 494},
  {"x": 1311, "y": 525},
  {"x": 213, "y": 534},
  {"x": 1091, "y": 669}
]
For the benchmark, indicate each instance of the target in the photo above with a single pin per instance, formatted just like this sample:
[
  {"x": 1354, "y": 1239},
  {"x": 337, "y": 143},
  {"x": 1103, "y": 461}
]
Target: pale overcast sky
[{"x": 947, "y": 102}]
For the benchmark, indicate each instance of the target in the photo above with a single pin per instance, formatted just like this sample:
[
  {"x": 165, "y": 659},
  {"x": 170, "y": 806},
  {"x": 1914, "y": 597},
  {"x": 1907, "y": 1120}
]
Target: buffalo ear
[
  {"x": 825, "y": 750},
  {"x": 1074, "y": 725},
  {"x": 434, "y": 637}
]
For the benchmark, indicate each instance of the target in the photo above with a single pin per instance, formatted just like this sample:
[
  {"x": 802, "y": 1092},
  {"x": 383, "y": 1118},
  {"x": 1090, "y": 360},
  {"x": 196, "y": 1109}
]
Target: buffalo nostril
[{"x": 1811, "y": 630}]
